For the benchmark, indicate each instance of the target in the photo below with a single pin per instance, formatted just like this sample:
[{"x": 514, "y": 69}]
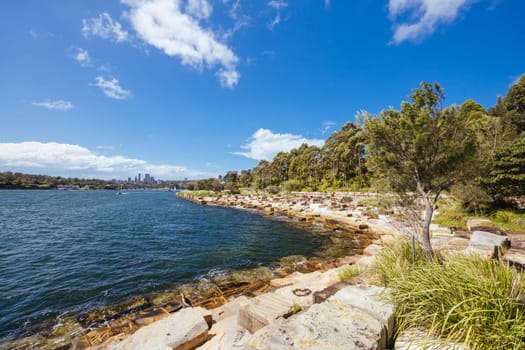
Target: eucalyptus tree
[
  {"x": 342, "y": 153},
  {"x": 422, "y": 148}
]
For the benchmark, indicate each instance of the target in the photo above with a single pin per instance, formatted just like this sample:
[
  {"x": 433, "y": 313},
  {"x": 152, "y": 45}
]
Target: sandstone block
[
  {"x": 372, "y": 250},
  {"x": 483, "y": 242},
  {"x": 183, "y": 330},
  {"x": 333, "y": 324}
]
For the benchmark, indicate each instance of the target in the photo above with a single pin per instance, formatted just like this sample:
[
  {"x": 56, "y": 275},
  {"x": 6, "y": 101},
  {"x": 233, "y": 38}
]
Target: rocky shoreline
[
  {"x": 302, "y": 309},
  {"x": 305, "y": 303}
]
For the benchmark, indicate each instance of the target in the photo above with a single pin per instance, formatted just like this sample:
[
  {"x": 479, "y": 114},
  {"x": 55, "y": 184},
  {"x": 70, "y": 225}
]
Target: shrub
[
  {"x": 272, "y": 189},
  {"x": 292, "y": 186},
  {"x": 462, "y": 298}
]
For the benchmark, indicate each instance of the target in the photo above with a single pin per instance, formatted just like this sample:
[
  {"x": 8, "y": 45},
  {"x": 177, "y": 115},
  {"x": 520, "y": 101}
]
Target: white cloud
[
  {"x": 327, "y": 125},
  {"x": 276, "y": 20},
  {"x": 111, "y": 88},
  {"x": 265, "y": 144},
  {"x": 228, "y": 78},
  {"x": 59, "y": 105},
  {"x": 82, "y": 57},
  {"x": 240, "y": 19},
  {"x": 63, "y": 159},
  {"x": 278, "y": 5},
  {"x": 105, "y": 27},
  {"x": 162, "y": 24},
  {"x": 416, "y": 19},
  {"x": 200, "y": 9}
]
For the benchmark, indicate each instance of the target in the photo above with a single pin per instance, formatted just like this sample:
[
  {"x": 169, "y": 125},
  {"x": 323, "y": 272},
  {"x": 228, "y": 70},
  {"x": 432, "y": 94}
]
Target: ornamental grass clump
[{"x": 460, "y": 298}]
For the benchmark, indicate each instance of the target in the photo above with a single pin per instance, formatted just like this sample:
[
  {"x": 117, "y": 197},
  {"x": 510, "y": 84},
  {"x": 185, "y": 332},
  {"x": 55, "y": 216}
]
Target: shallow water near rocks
[{"x": 65, "y": 253}]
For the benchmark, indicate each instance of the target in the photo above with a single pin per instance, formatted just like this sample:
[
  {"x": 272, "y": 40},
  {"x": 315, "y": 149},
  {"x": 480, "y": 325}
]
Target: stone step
[
  {"x": 262, "y": 310},
  {"x": 484, "y": 242},
  {"x": 356, "y": 317}
]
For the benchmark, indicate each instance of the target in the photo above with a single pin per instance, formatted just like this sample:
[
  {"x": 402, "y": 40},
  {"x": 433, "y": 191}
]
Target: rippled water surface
[{"x": 66, "y": 251}]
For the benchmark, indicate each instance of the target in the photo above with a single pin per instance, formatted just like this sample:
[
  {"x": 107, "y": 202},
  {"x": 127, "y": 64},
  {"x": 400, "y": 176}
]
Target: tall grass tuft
[{"x": 461, "y": 298}]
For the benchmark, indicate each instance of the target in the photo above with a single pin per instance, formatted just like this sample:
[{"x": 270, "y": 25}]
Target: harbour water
[{"x": 72, "y": 251}]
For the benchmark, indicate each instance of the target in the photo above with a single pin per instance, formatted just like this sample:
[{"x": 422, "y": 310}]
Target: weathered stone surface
[
  {"x": 296, "y": 277},
  {"x": 473, "y": 224},
  {"x": 230, "y": 309},
  {"x": 415, "y": 339},
  {"x": 388, "y": 239},
  {"x": 457, "y": 243},
  {"x": 484, "y": 242},
  {"x": 333, "y": 324},
  {"x": 185, "y": 329},
  {"x": 150, "y": 317},
  {"x": 326, "y": 293},
  {"x": 226, "y": 335},
  {"x": 372, "y": 250},
  {"x": 515, "y": 257},
  {"x": 365, "y": 262},
  {"x": 262, "y": 310}
]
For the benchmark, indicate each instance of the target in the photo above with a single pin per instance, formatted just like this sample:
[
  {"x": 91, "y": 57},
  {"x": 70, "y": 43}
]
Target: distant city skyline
[{"x": 195, "y": 88}]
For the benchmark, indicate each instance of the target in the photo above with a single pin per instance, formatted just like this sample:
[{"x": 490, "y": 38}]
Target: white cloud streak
[
  {"x": 111, "y": 88},
  {"x": 63, "y": 159},
  {"x": 164, "y": 25},
  {"x": 265, "y": 144},
  {"x": 58, "y": 105},
  {"x": 105, "y": 27},
  {"x": 278, "y": 5},
  {"x": 199, "y": 9},
  {"x": 327, "y": 125},
  {"x": 82, "y": 57},
  {"x": 415, "y": 20}
]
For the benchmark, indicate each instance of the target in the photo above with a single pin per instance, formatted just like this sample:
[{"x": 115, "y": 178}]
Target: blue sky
[{"x": 194, "y": 88}]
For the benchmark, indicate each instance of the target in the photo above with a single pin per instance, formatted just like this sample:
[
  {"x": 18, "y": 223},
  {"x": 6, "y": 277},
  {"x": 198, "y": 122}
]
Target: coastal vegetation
[
  {"x": 477, "y": 155},
  {"x": 420, "y": 152},
  {"x": 460, "y": 298}
]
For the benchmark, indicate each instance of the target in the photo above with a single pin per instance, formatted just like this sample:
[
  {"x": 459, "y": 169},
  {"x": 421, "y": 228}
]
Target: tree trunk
[{"x": 429, "y": 210}]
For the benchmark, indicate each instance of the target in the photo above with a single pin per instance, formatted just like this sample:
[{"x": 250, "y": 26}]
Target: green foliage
[
  {"x": 473, "y": 197},
  {"x": 450, "y": 217},
  {"x": 509, "y": 219},
  {"x": 461, "y": 298},
  {"x": 211, "y": 184},
  {"x": 292, "y": 186},
  {"x": 272, "y": 189},
  {"x": 422, "y": 148},
  {"x": 421, "y": 145},
  {"x": 350, "y": 271},
  {"x": 515, "y": 105},
  {"x": 507, "y": 177}
]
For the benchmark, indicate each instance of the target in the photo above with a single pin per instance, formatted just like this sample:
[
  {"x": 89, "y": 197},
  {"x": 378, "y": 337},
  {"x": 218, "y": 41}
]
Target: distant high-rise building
[
  {"x": 140, "y": 177},
  {"x": 129, "y": 179},
  {"x": 147, "y": 178}
]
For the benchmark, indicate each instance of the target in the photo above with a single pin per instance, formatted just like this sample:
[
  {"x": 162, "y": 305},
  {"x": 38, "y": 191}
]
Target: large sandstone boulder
[
  {"x": 484, "y": 242},
  {"x": 182, "y": 330},
  {"x": 356, "y": 317}
]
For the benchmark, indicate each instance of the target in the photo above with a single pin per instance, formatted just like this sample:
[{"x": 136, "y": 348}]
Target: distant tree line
[
  {"x": 10, "y": 180},
  {"x": 476, "y": 154}
]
